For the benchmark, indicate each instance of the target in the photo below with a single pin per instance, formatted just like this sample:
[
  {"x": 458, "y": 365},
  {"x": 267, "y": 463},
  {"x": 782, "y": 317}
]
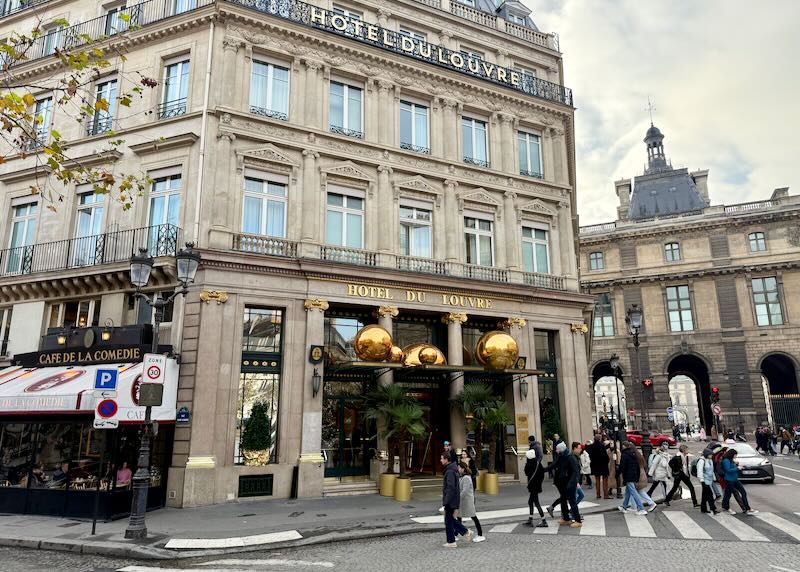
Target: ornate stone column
[
  {"x": 567, "y": 247},
  {"x": 512, "y": 244},
  {"x": 220, "y": 233},
  {"x": 311, "y": 462},
  {"x": 452, "y": 222},
  {"x": 385, "y": 111},
  {"x": 386, "y": 238},
  {"x": 227, "y": 91},
  {"x": 309, "y": 194},
  {"x": 560, "y": 155},
  {"x": 386, "y": 315},
  {"x": 450, "y": 129},
  {"x": 314, "y": 96},
  {"x": 383, "y": 17},
  {"x": 455, "y": 356},
  {"x": 507, "y": 144},
  {"x": 524, "y": 419},
  {"x": 548, "y": 152}
]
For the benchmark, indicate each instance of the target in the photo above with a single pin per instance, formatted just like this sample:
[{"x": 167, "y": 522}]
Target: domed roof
[{"x": 653, "y": 132}]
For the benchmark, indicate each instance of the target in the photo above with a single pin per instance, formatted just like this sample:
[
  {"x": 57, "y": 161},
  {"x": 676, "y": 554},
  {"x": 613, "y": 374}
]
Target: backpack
[
  {"x": 718, "y": 468},
  {"x": 675, "y": 463},
  {"x": 693, "y": 468}
]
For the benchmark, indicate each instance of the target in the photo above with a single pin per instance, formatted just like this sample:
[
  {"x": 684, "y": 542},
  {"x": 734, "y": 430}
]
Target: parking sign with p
[{"x": 105, "y": 379}]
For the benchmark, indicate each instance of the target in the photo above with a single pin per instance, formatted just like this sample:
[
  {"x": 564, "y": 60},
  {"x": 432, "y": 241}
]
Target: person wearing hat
[
  {"x": 566, "y": 474},
  {"x": 659, "y": 469},
  {"x": 705, "y": 472},
  {"x": 450, "y": 452},
  {"x": 535, "y": 474}
]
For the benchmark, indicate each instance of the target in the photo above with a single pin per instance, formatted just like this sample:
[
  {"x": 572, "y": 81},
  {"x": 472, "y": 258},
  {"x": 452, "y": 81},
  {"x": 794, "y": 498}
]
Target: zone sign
[{"x": 155, "y": 366}]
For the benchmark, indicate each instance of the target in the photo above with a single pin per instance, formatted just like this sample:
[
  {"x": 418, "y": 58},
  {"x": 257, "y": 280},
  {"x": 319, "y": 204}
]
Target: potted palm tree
[
  {"x": 405, "y": 422},
  {"x": 257, "y": 436},
  {"x": 495, "y": 419},
  {"x": 473, "y": 401},
  {"x": 379, "y": 405}
]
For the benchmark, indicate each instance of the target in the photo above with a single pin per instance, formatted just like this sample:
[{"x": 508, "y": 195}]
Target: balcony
[
  {"x": 477, "y": 16},
  {"x": 174, "y": 108},
  {"x": 87, "y": 251},
  {"x": 347, "y": 132},
  {"x": 476, "y": 162},
  {"x": 269, "y": 113},
  {"x": 10, "y": 8},
  {"x": 270, "y": 246},
  {"x": 533, "y": 174},
  {"x": 415, "y": 148},
  {"x": 98, "y": 125}
]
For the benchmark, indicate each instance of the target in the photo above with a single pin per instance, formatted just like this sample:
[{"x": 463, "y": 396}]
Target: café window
[
  {"x": 75, "y": 314},
  {"x": 415, "y": 231},
  {"x": 478, "y": 234},
  {"x": 535, "y": 250}
]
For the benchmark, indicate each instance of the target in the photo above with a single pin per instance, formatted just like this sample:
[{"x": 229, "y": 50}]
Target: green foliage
[
  {"x": 401, "y": 416},
  {"x": 551, "y": 423},
  {"x": 473, "y": 400},
  {"x": 257, "y": 434},
  {"x": 495, "y": 419}
]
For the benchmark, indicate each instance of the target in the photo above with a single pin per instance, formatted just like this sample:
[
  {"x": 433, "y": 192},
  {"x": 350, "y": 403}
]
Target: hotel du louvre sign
[{"x": 371, "y": 34}]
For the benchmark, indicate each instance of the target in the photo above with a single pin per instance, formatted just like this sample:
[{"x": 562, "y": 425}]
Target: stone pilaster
[
  {"x": 309, "y": 194},
  {"x": 450, "y": 128},
  {"x": 220, "y": 233},
  {"x": 314, "y": 95},
  {"x": 386, "y": 238},
  {"x": 548, "y": 153},
  {"x": 385, "y": 100},
  {"x": 227, "y": 88},
  {"x": 455, "y": 356},
  {"x": 507, "y": 140},
  {"x": 512, "y": 243},
  {"x": 454, "y": 225}
]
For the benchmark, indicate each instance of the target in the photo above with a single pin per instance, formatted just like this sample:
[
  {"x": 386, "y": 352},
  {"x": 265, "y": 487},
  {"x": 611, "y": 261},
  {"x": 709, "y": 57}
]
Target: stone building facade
[
  {"x": 718, "y": 286},
  {"x": 409, "y": 163}
]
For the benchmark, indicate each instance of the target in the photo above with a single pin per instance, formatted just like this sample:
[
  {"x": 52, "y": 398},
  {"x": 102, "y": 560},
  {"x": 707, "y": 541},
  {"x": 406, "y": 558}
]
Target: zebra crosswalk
[{"x": 690, "y": 525}]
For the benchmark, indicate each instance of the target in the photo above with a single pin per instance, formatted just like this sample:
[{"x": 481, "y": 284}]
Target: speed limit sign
[{"x": 154, "y": 367}]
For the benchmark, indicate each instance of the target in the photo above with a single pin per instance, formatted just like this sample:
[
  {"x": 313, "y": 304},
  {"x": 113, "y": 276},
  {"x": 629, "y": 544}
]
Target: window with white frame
[
  {"x": 5, "y": 328},
  {"x": 758, "y": 241},
  {"x": 415, "y": 231},
  {"x": 346, "y": 109},
  {"x": 414, "y": 35},
  {"x": 176, "y": 89},
  {"x": 75, "y": 314},
  {"x": 596, "y": 261},
  {"x": 516, "y": 19},
  {"x": 105, "y": 104},
  {"x": 672, "y": 252},
  {"x": 535, "y": 250},
  {"x": 475, "y": 54},
  {"x": 53, "y": 38},
  {"x": 181, "y": 6},
  {"x": 115, "y": 24},
  {"x": 88, "y": 225},
  {"x": 9, "y": 6},
  {"x": 269, "y": 90},
  {"x": 467, "y": 2},
  {"x": 23, "y": 235},
  {"x": 43, "y": 120},
  {"x": 474, "y": 141},
  {"x": 264, "y": 206},
  {"x": 414, "y": 127},
  {"x": 603, "y": 325},
  {"x": 767, "y": 301},
  {"x": 344, "y": 220},
  {"x": 679, "y": 309},
  {"x": 479, "y": 238},
  {"x": 165, "y": 209},
  {"x": 530, "y": 154}
]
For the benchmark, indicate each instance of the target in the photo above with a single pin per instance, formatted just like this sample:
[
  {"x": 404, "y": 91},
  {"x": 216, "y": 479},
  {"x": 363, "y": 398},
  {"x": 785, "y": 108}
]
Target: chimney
[
  {"x": 623, "y": 188},
  {"x": 700, "y": 179}
]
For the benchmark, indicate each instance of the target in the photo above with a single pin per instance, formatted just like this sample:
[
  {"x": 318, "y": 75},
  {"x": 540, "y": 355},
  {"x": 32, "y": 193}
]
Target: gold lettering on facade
[
  {"x": 457, "y": 60},
  {"x": 514, "y": 79},
  {"x": 419, "y": 296},
  {"x": 387, "y": 39},
  {"x": 372, "y": 33},
  {"x": 317, "y": 15},
  {"x": 501, "y": 75},
  {"x": 406, "y": 44},
  {"x": 338, "y": 22}
]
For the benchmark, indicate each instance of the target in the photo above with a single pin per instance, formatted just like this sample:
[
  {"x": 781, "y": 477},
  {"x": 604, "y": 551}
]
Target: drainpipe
[{"x": 203, "y": 128}]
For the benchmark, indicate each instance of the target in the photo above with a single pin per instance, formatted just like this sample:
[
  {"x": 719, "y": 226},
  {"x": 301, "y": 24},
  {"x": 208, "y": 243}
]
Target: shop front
[{"x": 53, "y": 461}]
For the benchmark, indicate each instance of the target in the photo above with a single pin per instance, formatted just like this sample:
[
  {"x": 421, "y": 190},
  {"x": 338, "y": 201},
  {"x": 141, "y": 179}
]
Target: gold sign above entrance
[{"x": 419, "y": 296}]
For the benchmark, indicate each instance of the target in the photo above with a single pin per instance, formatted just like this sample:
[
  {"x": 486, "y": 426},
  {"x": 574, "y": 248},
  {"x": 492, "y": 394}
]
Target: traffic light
[
  {"x": 647, "y": 383},
  {"x": 715, "y": 395}
]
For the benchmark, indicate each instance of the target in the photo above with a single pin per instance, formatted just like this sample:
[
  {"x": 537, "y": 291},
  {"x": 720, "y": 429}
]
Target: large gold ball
[
  {"x": 428, "y": 355},
  {"x": 396, "y": 355},
  {"x": 496, "y": 350},
  {"x": 422, "y": 353},
  {"x": 372, "y": 343}
]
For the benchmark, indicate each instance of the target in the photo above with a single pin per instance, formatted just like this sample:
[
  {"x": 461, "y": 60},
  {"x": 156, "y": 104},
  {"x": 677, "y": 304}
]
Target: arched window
[
  {"x": 758, "y": 241},
  {"x": 672, "y": 252},
  {"x": 596, "y": 261}
]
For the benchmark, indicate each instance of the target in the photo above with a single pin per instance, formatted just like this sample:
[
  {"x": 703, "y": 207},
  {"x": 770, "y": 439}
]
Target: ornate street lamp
[
  {"x": 634, "y": 320},
  {"x": 619, "y": 422},
  {"x": 187, "y": 261}
]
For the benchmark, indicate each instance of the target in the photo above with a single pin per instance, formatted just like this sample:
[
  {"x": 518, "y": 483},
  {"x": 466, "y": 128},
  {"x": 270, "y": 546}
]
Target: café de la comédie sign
[{"x": 374, "y": 35}]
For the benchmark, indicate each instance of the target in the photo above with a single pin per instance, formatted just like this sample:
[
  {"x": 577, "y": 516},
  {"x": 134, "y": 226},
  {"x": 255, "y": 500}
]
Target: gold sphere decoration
[
  {"x": 496, "y": 350},
  {"x": 396, "y": 355},
  {"x": 423, "y": 354},
  {"x": 372, "y": 343}
]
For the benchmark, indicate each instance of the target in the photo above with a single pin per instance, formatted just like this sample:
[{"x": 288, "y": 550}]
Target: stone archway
[
  {"x": 781, "y": 374},
  {"x": 606, "y": 389},
  {"x": 694, "y": 368}
]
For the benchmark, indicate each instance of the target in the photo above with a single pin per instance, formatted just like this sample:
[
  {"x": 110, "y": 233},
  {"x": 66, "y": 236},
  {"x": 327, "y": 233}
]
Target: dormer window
[{"x": 515, "y": 19}]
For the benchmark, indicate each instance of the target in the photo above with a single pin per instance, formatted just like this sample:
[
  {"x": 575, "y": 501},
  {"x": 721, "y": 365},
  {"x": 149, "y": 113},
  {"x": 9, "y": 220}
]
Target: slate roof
[
  {"x": 664, "y": 193},
  {"x": 501, "y": 8}
]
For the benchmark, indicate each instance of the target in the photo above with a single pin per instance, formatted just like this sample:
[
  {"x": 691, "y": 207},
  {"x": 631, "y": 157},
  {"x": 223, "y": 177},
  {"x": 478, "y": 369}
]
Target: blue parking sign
[{"x": 106, "y": 379}]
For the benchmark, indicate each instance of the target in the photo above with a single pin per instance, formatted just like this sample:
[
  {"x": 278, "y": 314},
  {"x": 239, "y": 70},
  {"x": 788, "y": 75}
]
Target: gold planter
[
  {"x": 256, "y": 458},
  {"x": 386, "y": 484},
  {"x": 491, "y": 484},
  {"x": 402, "y": 490},
  {"x": 479, "y": 481}
]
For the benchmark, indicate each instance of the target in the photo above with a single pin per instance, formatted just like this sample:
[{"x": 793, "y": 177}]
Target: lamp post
[
  {"x": 186, "y": 262},
  {"x": 634, "y": 320},
  {"x": 619, "y": 422}
]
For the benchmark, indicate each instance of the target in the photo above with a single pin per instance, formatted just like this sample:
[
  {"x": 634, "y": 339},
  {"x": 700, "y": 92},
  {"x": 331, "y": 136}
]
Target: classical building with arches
[{"x": 719, "y": 290}]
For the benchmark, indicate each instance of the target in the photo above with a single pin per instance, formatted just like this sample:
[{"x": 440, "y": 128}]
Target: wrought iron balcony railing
[
  {"x": 174, "y": 108},
  {"x": 10, "y": 7},
  {"x": 478, "y": 162},
  {"x": 534, "y": 174},
  {"x": 416, "y": 148},
  {"x": 269, "y": 113},
  {"x": 99, "y": 125},
  {"x": 119, "y": 246},
  {"x": 347, "y": 132}
]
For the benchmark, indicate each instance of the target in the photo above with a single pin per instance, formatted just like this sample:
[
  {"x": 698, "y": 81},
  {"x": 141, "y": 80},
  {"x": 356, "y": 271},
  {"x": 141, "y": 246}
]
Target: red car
[{"x": 656, "y": 439}]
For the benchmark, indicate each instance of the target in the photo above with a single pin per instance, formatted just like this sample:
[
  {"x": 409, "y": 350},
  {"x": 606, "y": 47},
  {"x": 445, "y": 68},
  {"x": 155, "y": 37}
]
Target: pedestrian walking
[
  {"x": 613, "y": 458},
  {"x": 705, "y": 472},
  {"x": 659, "y": 469},
  {"x": 566, "y": 479},
  {"x": 730, "y": 470},
  {"x": 473, "y": 469},
  {"x": 452, "y": 456},
  {"x": 628, "y": 471},
  {"x": 702, "y": 433},
  {"x": 598, "y": 465},
  {"x": 642, "y": 484},
  {"x": 586, "y": 468},
  {"x": 451, "y": 500},
  {"x": 534, "y": 471},
  {"x": 786, "y": 439},
  {"x": 467, "y": 500},
  {"x": 679, "y": 464}
]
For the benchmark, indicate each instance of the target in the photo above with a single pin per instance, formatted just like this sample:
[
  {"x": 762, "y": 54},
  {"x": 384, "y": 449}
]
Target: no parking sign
[{"x": 155, "y": 366}]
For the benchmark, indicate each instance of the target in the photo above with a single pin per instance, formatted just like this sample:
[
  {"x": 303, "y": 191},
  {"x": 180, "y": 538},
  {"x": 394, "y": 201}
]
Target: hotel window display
[
  {"x": 75, "y": 314},
  {"x": 415, "y": 232}
]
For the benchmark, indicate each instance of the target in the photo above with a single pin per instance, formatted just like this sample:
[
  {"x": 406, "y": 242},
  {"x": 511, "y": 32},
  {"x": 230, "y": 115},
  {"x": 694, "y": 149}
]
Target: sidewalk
[{"x": 268, "y": 525}]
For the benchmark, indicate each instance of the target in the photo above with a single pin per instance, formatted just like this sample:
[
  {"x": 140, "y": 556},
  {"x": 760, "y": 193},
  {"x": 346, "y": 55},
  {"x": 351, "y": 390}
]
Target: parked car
[
  {"x": 753, "y": 466},
  {"x": 656, "y": 439}
]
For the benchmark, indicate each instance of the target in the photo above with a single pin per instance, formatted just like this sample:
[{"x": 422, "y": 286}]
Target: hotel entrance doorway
[{"x": 349, "y": 439}]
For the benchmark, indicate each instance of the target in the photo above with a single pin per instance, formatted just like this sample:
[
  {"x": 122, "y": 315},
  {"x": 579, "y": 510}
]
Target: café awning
[{"x": 70, "y": 390}]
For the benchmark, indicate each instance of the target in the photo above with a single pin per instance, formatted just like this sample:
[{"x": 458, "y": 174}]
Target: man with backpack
[{"x": 679, "y": 464}]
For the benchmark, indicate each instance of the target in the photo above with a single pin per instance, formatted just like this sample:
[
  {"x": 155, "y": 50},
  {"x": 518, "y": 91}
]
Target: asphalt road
[{"x": 769, "y": 542}]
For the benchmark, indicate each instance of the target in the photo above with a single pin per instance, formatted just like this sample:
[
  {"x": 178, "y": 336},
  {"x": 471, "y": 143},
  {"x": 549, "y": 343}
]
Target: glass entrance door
[{"x": 348, "y": 437}]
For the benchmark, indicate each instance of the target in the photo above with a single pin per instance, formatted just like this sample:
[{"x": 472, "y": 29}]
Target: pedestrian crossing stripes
[{"x": 689, "y": 525}]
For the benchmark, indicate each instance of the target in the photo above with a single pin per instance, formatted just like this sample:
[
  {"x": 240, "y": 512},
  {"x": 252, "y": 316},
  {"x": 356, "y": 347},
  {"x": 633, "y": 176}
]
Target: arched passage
[
  {"x": 609, "y": 392},
  {"x": 781, "y": 374},
  {"x": 694, "y": 369}
]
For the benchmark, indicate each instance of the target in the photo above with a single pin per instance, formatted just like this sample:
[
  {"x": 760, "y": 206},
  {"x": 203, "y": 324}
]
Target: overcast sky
[{"x": 724, "y": 76}]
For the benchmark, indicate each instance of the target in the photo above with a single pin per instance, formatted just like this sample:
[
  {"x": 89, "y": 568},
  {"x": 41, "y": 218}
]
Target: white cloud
[{"x": 724, "y": 77}]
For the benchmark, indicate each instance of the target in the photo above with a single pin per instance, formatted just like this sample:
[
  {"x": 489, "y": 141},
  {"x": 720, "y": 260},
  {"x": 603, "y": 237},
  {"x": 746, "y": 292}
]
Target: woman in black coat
[
  {"x": 534, "y": 471},
  {"x": 598, "y": 463}
]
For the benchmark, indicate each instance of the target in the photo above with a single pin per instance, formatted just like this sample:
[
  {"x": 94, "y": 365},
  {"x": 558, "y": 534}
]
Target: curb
[{"x": 151, "y": 552}]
